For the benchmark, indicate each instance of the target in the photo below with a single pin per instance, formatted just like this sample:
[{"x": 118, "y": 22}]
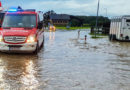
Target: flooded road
[{"x": 68, "y": 63}]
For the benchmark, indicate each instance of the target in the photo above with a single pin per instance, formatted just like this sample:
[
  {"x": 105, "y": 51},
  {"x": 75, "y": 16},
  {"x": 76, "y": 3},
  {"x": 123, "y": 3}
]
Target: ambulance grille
[{"x": 15, "y": 39}]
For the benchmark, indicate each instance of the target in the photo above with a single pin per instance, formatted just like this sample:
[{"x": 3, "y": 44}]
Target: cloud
[
  {"x": 116, "y": 7},
  {"x": 67, "y": 6},
  {"x": 75, "y": 7}
]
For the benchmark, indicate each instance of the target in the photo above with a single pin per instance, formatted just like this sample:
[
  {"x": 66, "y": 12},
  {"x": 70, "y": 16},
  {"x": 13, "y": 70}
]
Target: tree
[
  {"x": 47, "y": 17},
  {"x": 90, "y": 20}
]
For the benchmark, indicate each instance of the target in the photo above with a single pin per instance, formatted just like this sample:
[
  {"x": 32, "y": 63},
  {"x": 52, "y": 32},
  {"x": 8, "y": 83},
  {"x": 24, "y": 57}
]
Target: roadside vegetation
[
  {"x": 98, "y": 35},
  {"x": 71, "y": 28}
]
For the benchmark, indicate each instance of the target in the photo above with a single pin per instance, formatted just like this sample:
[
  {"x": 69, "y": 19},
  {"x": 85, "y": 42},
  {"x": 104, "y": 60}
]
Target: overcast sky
[{"x": 75, "y": 7}]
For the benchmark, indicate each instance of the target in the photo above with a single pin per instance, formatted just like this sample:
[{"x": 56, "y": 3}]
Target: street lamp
[{"x": 97, "y": 16}]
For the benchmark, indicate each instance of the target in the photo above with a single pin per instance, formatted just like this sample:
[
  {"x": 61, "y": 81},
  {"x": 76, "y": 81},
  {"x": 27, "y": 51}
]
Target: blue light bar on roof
[
  {"x": 12, "y": 10},
  {"x": 15, "y": 9},
  {"x": 19, "y": 9}
]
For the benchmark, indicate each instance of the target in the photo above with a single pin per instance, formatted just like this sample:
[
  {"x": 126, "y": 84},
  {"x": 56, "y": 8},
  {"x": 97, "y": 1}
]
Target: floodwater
[{"x": 67, "y": 62}]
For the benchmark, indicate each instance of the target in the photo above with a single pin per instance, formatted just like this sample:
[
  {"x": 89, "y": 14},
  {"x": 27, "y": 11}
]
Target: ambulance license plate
[{"x": 14, "y": 48}]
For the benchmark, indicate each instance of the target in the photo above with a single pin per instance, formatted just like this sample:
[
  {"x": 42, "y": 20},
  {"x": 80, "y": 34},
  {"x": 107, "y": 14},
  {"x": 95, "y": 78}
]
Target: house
[{"x": 59, "y": 19}]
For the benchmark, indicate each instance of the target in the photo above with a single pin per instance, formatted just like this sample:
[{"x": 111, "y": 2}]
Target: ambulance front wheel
[{"x": 37, "y": 48}]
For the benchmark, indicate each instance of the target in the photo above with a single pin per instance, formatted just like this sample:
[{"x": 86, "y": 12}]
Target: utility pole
[
  {"x": 105, "y": 14},
  {"x": 97, "y": 17}
]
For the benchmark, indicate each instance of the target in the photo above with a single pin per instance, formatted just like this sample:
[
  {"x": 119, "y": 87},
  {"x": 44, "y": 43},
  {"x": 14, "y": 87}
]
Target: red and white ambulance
[{"x": 22, "y": 31}]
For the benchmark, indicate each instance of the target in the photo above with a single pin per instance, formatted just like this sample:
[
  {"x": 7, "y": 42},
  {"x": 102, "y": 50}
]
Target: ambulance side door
[{"x": 40, "y": 32}]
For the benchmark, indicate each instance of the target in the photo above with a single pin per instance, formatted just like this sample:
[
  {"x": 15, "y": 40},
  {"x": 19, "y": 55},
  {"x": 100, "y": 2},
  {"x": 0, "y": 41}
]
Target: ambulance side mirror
[{"x": 40, "y": 25}]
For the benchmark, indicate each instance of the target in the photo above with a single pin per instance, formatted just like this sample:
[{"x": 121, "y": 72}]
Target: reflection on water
[
  {"x": 80, "y": 41},
  {"x": 2, "y": 81},
  {"x": 19, "y": 73},
  {"x": 28, "y": 76},
  {"x": 51, "y": 37},
  {"x": 69, "y": 64}
]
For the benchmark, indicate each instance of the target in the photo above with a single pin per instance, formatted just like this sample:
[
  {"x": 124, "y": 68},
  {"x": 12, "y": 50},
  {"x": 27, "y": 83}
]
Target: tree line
[
  {"x": 80, "y": 20},
  {"x": 89, "y": 21}
]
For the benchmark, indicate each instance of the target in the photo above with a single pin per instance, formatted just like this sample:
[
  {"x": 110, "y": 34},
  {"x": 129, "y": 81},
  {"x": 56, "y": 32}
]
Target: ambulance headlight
[
  {"x": 31, "y": 39},
  {"x": 1, "y": 38}
]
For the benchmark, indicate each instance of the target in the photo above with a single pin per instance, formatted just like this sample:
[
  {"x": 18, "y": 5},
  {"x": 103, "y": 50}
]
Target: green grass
[
  {"x": 96, "y": 37},
  {"x": 71, "y": 28},
  {"x": 98, "y": 34}
]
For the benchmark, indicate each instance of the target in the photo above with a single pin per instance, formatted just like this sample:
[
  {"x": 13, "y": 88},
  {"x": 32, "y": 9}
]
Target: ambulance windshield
[{"x": 19, "y": 21}]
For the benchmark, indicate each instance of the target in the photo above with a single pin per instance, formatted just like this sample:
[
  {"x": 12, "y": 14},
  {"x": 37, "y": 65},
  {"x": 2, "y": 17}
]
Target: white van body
[{"x": 120, "y": 28}]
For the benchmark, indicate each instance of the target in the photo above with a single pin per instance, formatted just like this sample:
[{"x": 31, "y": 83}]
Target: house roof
[{"x": 60, "y": 16}]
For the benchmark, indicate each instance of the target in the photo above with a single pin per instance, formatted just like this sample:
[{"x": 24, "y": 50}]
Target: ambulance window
[
  {"x": 38, "y": 18},
  {"x": 1, "y": 18}
]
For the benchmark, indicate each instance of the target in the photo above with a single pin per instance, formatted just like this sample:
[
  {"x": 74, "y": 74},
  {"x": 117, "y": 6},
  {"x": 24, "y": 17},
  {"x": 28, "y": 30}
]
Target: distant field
[{"x": 72, "y": 28}]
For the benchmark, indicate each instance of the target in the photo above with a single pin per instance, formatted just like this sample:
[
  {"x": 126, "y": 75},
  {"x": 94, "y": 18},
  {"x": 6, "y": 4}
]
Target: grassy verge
[
  {"x": 71, "y": 28},
  {"x": 97, "y": 35}
]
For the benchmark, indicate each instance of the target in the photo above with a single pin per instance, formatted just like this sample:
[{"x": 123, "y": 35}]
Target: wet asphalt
[{"x": 67, "y": 62}]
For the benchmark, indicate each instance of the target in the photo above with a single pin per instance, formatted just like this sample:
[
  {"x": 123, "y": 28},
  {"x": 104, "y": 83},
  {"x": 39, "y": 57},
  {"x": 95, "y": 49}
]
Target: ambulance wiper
[
  {"x": 28, "y": 28},
  {"x": 6, "y": 27}
]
